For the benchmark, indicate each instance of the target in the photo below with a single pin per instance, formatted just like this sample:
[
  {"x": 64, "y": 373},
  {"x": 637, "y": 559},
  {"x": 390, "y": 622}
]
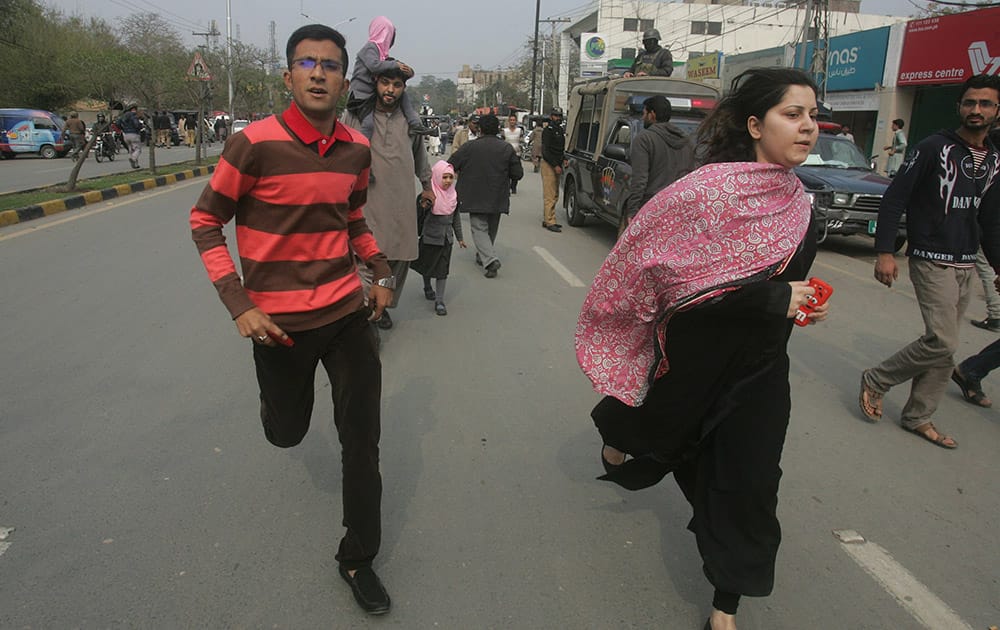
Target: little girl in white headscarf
[{"x": 441, "y": 226}]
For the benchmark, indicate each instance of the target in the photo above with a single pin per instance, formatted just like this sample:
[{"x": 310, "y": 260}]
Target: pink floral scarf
[{"x": 707, "y": 233}]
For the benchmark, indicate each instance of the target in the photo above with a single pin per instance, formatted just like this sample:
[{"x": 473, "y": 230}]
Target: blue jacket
[{"x": 942, "y": 194}]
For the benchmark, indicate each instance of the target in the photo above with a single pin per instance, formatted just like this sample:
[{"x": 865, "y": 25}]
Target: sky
[{"x": 435, "y": 41}]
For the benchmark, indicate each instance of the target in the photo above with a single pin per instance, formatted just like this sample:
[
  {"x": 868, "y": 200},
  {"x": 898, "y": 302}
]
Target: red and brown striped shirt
[{"x": 298, "y": 198}]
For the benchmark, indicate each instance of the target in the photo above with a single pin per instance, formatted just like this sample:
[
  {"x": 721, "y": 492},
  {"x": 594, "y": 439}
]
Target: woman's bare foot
[
  {"x": 613, "y": 456},
  {"x": 721, "y": 621}
]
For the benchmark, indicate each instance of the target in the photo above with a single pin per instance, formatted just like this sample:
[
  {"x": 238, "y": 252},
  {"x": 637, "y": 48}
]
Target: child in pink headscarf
[
  {"x": 372, "y": 60},
  {"x": 441, "y": 226}
]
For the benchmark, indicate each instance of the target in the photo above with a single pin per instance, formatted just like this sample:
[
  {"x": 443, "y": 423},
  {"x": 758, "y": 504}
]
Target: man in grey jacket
[
  {"x": 485, "y": 168},
  {"x": 661, "y": 155}
]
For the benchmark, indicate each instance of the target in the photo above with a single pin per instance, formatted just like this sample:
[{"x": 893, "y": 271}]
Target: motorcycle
[{"x": 104, "y": 147}]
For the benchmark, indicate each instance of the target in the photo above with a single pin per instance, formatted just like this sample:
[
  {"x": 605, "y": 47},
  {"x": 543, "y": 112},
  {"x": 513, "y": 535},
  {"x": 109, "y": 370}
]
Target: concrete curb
[{"x": 48, "y": 208}]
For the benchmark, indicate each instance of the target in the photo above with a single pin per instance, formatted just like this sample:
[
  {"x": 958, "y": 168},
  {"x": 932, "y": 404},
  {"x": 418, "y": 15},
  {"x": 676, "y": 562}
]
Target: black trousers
[{"x": 347, "y": 349}]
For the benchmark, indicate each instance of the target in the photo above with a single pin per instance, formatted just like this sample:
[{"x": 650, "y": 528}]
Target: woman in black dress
[{"x": 687, "y": 324}]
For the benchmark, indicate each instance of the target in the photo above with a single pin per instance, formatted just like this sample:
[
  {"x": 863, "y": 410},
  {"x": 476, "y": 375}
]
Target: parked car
[
  {"x": 240, "y": 124},
  {"x": 846, "y": 190},
  {"x": 605, "y": 114},
  {"x": 31, "y": 131}
]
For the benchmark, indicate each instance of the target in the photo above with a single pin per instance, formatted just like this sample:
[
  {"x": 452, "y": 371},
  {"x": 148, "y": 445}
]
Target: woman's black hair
[
  {"x": 319, "y": 32},
  {"x": 723, "y": 135}
]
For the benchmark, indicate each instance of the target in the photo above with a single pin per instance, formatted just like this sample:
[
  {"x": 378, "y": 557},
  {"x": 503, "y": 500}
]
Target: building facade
[{"x": 696, "y": 29}]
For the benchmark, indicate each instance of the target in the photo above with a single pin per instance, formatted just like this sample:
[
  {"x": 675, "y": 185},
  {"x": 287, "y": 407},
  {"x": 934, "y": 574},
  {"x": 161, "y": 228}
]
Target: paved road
[
  {"x": 142, "y": 493},
  {"x": 31, "y": 171}
]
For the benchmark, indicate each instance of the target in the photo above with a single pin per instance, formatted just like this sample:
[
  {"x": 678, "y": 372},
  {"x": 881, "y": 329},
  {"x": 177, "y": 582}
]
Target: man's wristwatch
[{"x": 389, "y": 282}]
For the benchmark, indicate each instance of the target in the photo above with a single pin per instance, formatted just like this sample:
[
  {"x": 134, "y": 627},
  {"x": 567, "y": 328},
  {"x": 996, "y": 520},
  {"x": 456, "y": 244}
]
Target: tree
[{"x": 443, "y": 94}]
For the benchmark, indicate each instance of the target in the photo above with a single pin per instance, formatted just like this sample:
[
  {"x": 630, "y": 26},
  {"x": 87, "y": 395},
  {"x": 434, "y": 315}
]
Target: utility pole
[
  {"x": 552, "y": 38},
  {"x": 534, "y": 55},
  {"x": 821, "y": 49},
  {"x": 229, "y": 61},
  {"x": 801, "y": 63}
]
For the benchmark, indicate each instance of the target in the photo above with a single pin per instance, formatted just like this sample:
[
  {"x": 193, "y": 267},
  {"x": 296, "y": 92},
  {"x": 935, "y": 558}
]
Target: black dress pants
[{"x": 347, "y": 349}]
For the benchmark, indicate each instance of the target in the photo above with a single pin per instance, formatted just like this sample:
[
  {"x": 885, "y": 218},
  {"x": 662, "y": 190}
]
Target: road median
[{"x": 91, "y": 191}]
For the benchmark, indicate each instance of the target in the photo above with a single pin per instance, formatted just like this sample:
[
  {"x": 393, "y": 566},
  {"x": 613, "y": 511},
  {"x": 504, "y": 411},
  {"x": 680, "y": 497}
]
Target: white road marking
[
  {"x": 559, "y": 268},
  {"x": 112, "y": 204},
  {"x": 4, "y": 534},
  {"x": 917, "y": 599}
]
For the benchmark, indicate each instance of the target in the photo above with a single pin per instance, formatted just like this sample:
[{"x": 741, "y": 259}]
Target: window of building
[
  {"x": 706, "y": 28},
  {"x": 645, "y": 25},
  {"x": 628, "y": 53},
  {"x": 630, "y": 24}
]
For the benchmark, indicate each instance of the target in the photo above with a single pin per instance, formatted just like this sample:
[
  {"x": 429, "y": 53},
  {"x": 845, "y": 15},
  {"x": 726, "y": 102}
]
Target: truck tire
[
  {"x": 573, "y": 215},
  {"x": 47, "y": 151}
]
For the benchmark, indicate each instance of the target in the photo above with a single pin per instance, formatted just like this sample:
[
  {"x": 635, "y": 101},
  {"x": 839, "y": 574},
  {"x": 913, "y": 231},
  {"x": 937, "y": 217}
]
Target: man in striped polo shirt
[{"x": 296, "y": 184}]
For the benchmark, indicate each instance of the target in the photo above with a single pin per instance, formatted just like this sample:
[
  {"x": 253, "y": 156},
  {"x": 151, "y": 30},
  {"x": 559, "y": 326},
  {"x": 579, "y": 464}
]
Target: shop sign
[
  {"x": 704, "y": 67},
  {"x": 593, "y": 54},
  {"x": 852, "y": 101},
  {"x": 950, "y": 48},
  {"x": 855, "y": 61},
  {"x": 734, "y": 65}
]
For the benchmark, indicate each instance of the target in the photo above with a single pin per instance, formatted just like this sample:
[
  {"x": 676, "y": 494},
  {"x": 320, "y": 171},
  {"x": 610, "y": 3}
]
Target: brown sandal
[
  {"x": 942, "y": 440},
  {"x": 870, "y": 401}
]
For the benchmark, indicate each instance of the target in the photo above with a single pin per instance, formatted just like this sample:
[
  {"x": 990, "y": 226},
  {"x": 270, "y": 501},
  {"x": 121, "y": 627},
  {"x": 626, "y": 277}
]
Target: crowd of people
[{"x": 686, "y": 338}]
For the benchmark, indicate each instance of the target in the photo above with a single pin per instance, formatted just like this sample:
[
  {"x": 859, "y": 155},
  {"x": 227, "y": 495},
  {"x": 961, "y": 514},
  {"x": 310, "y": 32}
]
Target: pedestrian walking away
[
  {"x": 945, "y": 226},
  {"x": 688, "y": 341},
  {"x": 485, "y": 168},
  {"x": 439, "y": 226},
  {"x": 299, "y": 311},
  {"x": 552, "y": 163},
  {"x": 398, "y": 156}
]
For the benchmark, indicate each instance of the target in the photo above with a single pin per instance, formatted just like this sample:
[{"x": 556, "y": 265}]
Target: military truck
[{"x": 605, "y": 114}]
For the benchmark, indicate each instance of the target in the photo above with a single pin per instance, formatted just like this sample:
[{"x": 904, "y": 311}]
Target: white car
[{"x": 240, "y": 125}]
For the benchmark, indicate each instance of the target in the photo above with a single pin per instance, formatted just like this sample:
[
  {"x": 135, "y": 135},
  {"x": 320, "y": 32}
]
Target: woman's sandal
[
  {"x": 942, "y": 440},
  {"x": 972, "y": 392},
  {"x": 870, "y": 402}
]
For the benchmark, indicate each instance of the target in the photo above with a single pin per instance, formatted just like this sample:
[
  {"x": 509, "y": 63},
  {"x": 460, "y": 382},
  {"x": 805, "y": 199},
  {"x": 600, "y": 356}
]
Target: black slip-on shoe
[
  {"x": 552, "y": 227},
  {"x": 989, "y": 323},
  {"x": 368, "y": 590},
  {"x": 492, "y": 268}
]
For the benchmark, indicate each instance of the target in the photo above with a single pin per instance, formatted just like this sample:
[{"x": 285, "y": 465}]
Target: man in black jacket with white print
[{"x": 940, "y": 188}]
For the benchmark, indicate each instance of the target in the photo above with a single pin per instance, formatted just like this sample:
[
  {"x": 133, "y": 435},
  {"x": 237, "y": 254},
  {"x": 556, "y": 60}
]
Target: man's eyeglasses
[
  {"x": 308, "y": 63},
  {"x": 983, "y": 104}
]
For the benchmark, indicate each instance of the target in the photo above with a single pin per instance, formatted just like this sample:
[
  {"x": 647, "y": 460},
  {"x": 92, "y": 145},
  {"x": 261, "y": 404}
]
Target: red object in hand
[
  {"x": 822, "y": 294},
  {"x": 285, "y": 341}
]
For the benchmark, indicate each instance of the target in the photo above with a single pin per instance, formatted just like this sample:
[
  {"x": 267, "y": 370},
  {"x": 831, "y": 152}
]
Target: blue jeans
[{"x": 976, "y": 367}]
